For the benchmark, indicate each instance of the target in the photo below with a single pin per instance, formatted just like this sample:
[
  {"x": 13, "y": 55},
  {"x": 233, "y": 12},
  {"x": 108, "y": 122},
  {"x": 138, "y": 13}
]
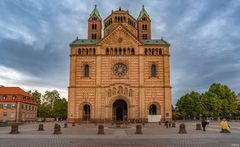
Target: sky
[{"x": 204, "y": 37}]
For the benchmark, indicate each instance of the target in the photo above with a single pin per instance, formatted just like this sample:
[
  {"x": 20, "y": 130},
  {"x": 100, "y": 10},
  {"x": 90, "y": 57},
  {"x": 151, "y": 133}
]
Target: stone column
[
  {"x": 98, "y": 111},
  {"x": 141, "y": 85}
]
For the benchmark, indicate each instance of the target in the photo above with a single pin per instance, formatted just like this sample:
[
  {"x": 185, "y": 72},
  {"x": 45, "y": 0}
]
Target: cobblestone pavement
[{"x": 85, "y": 135}]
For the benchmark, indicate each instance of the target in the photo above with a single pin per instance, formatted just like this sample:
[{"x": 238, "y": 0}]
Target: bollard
[
  {"x": 182, "y": 129},
  {"x": 100, "y": 129},
  {"x": 198, "y": 126},
  {"x": 65, "y": 125},
  {"x": 14, "y": 129},
  {"x": 73, "y": 124},
  {"x": 139, "y": 129},
  {"x": 159, "y": 123},
  {"x": 40, "y": 127},
  {"x": 57, "y": 129},
  {"x": 173, "y": 125}
]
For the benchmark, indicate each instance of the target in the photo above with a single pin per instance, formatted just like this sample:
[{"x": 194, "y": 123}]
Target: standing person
[
  {"x": 224, "y": 126},
  {"x": 204, "y": 124}
]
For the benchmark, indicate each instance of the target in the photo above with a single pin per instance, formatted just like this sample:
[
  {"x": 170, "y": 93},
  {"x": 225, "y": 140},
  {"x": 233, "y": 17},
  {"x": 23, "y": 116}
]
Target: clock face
[{"x": 120, "y": 69}]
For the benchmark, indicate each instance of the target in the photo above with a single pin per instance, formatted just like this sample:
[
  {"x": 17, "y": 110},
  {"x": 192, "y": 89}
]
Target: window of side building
[{"x": 12, "y": 115}]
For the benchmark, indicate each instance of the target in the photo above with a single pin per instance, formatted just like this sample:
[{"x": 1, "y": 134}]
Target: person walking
[
  {"x": 204, "y": 124},
  {"x": 224, "y": 126}
]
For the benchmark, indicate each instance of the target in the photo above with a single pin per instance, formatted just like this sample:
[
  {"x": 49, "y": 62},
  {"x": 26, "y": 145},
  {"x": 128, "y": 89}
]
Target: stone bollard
[
  {"x": 57, "y": 129},
  {"x": 173, "y": 125},
  {"x": 139, "y": 129},
  {"x": 14, "y": 129},
  {"x": 65, "y": 125},
  {"x": 73, "y": 124},
  {"x": 159, "y": 123},
  {"x": 100, "y": 129},
  {"x": 40, "y": 127},
  {"x": 198, "y": 126},
  {"x": 182, "y": 129}
]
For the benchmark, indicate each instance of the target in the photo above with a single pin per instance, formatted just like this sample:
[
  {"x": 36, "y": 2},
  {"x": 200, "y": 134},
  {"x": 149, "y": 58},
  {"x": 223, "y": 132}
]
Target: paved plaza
[{"x": 153, "y": 136}]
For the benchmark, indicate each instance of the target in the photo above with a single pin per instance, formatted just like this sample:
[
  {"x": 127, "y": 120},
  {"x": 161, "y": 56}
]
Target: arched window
[
  {"x": 133, "y": 51},
  {"x": 149, "y": 51},
  {"x": 86, "y": 70},
  {"x": 94, "y": 51},
  {"x": 153, "y": 70},
  {"x": 86, "y": 51},
  {"x": 107, "y": 51},
  {"x": 145, "y": 51},
  {"x": 83, "y": 51},
  {"x": 153, "y": 109},
  {"x": 115, "y": 51},
  {"x": 124, "y": 51},
  {"x": 79, "y": 51},
  {"x": 160, "y": 51},
  {"x": 120, "y": 51}
]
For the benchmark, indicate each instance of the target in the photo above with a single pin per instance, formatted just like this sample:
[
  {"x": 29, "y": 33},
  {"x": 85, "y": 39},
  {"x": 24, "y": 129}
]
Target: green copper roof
[
  {"x": 143, "y": 13},
  {"x": 84, "y": 42},
  {"x": 155, "y": 42},
  {"x": 96, "y": 12}
]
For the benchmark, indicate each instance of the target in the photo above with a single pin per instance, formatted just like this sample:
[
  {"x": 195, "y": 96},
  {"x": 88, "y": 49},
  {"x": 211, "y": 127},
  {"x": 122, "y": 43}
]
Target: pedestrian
[
  {"x": 204, "y": 124},
  {"x": 167, "y": 124},
  {"x": 224, "y": 126}
]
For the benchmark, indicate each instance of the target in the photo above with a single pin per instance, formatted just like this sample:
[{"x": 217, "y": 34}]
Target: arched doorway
[
  {"x": 154, "y": 112},
  {"x": 86, "y": 112},
  {"x": 120, "y": 110},
  {"x": 153, "y": 109}
]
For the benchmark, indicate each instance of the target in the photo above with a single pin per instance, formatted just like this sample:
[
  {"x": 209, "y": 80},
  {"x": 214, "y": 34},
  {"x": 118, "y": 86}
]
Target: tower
[
  {"x": 95, "y": 25},
  {"x": 144, "y": 25}
]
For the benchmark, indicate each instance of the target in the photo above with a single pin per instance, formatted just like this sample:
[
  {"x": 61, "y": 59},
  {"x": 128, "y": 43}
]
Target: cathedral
[{"x": 119, "y": 73}]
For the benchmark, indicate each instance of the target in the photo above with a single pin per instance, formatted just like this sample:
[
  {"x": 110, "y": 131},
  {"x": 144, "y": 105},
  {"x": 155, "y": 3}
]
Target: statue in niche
[
  {"x": 120, "y": 90},
  {"x": 114, "y": 91},
  {"x": 130, "y": 92},
  {"x": 125, "y": 91},
  {"x": 109, "y": 93}
]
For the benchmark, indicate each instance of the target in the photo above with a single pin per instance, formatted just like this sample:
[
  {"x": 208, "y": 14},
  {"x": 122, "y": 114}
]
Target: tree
[
  {"x": 227, "y": 97},
  {"x": 190, "y": 105},
  {"x": 219, "y": 100},
  {"x": 51, "y": 96},
  {"x": 60, "y": 108},
  {"x": 37, "y": 96}
]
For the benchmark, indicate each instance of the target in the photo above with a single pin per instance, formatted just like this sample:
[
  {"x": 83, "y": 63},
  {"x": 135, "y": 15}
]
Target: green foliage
[
  {"x": 60, "y": 108},
  {"x": 219, "y": 100},
  {"x": 50, "y": 104}
]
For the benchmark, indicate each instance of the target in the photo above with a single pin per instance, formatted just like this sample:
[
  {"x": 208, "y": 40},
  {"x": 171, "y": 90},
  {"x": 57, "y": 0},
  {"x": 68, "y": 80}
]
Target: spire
[
  {"x": 96, "y": 12},
  {"x": 142, "y": 13}
]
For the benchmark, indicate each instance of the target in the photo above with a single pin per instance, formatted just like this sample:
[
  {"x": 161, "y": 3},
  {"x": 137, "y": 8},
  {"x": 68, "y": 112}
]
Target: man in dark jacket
[{"x": 204, "y": 124}]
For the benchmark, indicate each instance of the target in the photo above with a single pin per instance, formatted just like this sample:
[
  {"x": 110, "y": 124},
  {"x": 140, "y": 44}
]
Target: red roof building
[{"x": 16, "y": 105}]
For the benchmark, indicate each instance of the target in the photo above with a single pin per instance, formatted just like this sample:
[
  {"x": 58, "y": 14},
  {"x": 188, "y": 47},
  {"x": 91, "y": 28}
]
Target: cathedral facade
[{"x": 123, "y": 74}]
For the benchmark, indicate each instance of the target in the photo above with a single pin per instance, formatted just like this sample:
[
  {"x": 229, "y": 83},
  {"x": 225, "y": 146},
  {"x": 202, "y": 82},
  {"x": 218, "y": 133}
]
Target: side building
[{"x": 16, "y": 105}]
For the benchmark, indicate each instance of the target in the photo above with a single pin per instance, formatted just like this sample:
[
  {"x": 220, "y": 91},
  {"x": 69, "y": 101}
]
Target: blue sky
[{"x": 204, "y": 37}]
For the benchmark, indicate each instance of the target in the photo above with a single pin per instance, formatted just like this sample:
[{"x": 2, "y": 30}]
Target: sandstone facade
[{"x": 120, "y": 76}]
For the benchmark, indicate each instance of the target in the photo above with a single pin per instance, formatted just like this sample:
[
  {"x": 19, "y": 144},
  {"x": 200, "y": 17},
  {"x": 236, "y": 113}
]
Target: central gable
[{"x": 120, "y": 36}]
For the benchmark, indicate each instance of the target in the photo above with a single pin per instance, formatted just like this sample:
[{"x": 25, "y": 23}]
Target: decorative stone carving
[{"x": 119, "y": 90}]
